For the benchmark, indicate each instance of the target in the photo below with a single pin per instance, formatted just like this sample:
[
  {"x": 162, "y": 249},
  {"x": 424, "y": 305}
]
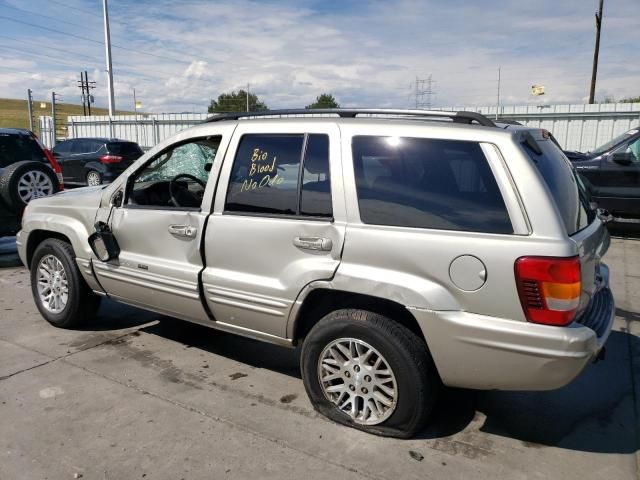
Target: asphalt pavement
[{"x": 138, "y": 395}]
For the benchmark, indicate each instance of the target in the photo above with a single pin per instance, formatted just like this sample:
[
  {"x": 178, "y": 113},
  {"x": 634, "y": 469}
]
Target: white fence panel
[{"x": 577, "y": 127}]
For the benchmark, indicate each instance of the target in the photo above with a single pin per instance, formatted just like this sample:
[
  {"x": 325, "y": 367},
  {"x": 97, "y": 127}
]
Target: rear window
[
  {"x": 570, "y": 196},
  {"x": 124, "y": 148},
  {"x": 15, "y": 148},
  {"x": 427, "y": 183}
]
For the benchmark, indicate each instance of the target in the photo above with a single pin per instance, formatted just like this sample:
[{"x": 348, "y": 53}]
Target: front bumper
[{"x": 477, "y": 351}]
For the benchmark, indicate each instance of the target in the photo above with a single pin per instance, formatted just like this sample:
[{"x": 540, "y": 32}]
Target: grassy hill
[{"x": 14, "y": 113}]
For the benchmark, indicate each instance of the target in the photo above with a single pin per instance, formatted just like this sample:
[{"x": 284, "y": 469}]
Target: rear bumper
[{"x": 476, "y": 351}]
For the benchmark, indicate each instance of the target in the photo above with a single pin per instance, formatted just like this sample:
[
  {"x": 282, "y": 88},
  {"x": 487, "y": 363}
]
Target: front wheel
[
  {"x": 59, "y": 291},
  {"x": 366, "y": 371}
]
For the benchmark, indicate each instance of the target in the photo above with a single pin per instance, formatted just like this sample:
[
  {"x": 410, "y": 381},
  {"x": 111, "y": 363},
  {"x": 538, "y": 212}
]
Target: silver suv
[{"x": 401, "y": 249}]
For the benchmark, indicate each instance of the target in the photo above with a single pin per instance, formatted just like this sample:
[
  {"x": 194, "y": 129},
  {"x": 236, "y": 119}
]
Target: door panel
[
  {"x": 262, "y": 244},
  {"x": 619, "y": 188},
  {"x": 160, "y": 256},
  {"x": 255, "y": 272},
  {"x": 156, "y": 268}
]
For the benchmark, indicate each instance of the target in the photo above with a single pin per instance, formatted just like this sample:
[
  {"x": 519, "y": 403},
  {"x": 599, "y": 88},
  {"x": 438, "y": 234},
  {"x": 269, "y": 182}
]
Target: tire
[
  {"x": 21, "y": 182},
  {"x": 414, "y": 374},
  {"x": 80, "y": 304},
  {"x": 93, "y": 178}
]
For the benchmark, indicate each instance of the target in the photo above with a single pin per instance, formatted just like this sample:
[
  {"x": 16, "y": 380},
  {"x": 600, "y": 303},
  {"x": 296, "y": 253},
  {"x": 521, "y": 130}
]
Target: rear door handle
[
  {"x": 183, "y": 231},
  {"x": 313, "y": 243}
]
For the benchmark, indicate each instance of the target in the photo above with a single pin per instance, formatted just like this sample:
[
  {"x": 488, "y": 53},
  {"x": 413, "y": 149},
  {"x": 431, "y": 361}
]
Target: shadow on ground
[
  {"x": 244, "y": 350},
  {"x": 594, "y": 413}
]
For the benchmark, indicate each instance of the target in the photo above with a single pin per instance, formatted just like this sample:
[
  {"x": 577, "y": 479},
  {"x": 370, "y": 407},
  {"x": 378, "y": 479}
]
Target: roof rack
[{"x": 457, "y": 117}]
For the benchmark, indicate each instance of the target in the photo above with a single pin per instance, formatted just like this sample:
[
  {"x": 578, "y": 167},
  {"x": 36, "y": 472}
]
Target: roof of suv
[{"x": 462, "y": 117}]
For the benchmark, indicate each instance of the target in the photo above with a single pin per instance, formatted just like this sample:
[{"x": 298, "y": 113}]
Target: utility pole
[
  {"x": 498, "y": 104},
  {"x": 107, "y": 44},
  {"x": 135, "y": 111},
  {"x": 30, "y": 108},
  {"x": 89, "y": 86},
  {"x": 594, "y": 71},
  {"x": 54, "y": 122},
  {"x": 247, "y": 97},
  {"x": 84, "y": 99}
]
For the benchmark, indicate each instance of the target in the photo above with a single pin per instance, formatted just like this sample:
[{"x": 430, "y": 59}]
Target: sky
[{"x": 180, "y": 54}]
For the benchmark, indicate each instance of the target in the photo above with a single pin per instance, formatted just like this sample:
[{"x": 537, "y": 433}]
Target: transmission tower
[{"x": 424, "y": 91}]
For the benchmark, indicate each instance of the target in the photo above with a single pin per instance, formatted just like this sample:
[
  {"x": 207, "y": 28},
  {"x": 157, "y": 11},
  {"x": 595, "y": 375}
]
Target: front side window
[
  {"x": 176, "y": 177},
  {"x": 427, "y": 183},
  {"x": 267, "y": 178}
]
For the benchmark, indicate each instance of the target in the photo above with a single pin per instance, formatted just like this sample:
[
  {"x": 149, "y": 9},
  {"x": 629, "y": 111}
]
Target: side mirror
[
  {"x": 623, "y": 158},
  {"x": 103, "y": 243},
  {"x": 207, "y": 167}
]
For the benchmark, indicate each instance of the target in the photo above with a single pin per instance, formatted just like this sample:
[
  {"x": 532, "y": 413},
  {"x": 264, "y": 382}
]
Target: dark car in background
[
  {"x": 27, "y": 171},
  {"x": 612, "y": 173},
  {"x": 93, "y": 161}
]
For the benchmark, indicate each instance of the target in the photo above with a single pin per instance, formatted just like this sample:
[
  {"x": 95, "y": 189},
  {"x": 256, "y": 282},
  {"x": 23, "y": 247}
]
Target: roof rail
[{"x": 458, "y": 117}]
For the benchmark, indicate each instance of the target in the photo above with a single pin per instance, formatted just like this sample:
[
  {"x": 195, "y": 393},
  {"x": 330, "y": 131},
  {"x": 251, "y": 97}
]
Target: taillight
[
  {"x": 56, "y": 166},
  {"x": 549, "y": 288},
  {"x": 110, "y": 159}
]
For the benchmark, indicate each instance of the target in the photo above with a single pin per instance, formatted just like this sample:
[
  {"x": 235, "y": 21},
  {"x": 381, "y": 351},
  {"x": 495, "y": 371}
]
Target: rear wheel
[
  {"x": 62, "y": 296},
  {"x": 366, "y": 371},
  {"x": 94, "y": 178}
]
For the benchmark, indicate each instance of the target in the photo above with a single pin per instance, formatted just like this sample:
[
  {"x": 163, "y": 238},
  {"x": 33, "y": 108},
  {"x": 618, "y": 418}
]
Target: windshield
[{"x": 612, "y": 143}]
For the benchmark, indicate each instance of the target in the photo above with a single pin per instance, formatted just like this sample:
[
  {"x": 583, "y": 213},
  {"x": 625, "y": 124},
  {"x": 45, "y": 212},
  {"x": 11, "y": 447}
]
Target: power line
[
  {"x": 74, "y": 7},
  {"x": 56, "y": 19},
  {"x": 80, "y": 37}
]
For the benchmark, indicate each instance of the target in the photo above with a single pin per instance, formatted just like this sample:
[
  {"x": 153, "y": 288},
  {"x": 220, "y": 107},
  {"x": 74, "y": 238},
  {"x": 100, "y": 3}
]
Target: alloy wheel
[
  {"x": 53, "y": 286},
  {"x": 34, "y": 184},
  {"x": 356, "y": 378}
]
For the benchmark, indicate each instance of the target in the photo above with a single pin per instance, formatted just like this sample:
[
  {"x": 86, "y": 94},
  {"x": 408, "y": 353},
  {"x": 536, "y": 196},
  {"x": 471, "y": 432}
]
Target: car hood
[{"x": 79, "y": 201}]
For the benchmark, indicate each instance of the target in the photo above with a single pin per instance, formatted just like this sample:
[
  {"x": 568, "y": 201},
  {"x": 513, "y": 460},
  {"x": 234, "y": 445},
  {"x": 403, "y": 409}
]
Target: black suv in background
[
  {"x": 612, "y": 173},
  {"x": 27, "y": 171},
  {"x": 93, "y": 161}
]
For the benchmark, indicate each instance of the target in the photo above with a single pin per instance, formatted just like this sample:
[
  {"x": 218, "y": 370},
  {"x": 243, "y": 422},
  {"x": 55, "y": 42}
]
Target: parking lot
[{"x": 136, "y": 395}]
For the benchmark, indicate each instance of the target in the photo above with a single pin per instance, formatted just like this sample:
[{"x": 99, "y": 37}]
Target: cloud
[{"x": 179, "y": 55}]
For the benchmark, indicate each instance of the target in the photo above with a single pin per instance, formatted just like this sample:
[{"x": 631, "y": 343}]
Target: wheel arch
[
  {"x": 36, "y": 237},
  {"x": 318, "y": 302}
]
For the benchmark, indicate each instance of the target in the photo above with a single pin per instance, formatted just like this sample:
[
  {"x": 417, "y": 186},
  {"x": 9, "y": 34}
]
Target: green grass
[{"x": 14, "y": 113}]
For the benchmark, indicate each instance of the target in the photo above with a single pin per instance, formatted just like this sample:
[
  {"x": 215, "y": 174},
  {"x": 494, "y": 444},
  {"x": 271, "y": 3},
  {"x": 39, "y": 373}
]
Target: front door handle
[
  {"x": 313, "y": 243},
  {"x": 183, "y": 231}
]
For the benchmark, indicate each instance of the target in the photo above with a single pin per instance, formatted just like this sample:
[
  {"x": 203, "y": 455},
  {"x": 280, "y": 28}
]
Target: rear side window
[
  {"x": 558, "y": 174},
  {"x": 15, "y": 148},
  {"x": 427, "y": 183},
  {"x": 124, "y": 148},
  {"x": 281, "y": 175}
]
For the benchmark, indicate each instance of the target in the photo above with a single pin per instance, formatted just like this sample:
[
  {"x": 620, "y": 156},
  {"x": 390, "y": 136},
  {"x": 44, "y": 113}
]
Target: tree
[
  {"x": 325, "y": 100},
  {"x": 236, "y": 102},
  {"x": 631, "y": 100}
]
